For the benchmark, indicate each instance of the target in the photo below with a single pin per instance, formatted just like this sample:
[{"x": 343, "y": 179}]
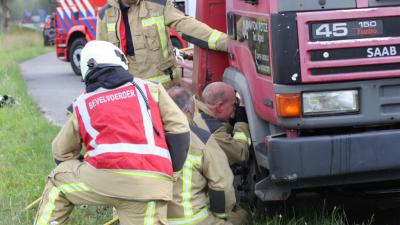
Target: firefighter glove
[{"x": 240, "y": 114}]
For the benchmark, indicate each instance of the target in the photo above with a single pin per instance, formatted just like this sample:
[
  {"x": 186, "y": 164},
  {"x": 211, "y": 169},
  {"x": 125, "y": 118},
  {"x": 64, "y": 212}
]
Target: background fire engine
[{"x": 76, "y": 25}]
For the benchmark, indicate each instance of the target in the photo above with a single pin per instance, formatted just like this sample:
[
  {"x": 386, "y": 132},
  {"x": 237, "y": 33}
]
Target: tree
[
  {"x": 5, "y": 14},
  {"x": 18, "y": 7}
]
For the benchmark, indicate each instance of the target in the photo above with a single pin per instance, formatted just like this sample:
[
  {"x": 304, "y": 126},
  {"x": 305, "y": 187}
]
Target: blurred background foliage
[{"x": 19, "y": 7}]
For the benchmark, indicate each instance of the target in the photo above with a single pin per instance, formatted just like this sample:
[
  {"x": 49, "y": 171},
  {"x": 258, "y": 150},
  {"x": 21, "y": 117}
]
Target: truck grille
[{"x": 346, "y": 45}]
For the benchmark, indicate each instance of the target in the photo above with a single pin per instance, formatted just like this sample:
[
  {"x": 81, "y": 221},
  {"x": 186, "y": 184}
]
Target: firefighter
[
  {"x": 203, "y": 191},
  {"x": 134, "y": 137},
  {"x": 221, "y": 114},
  {"x": 139, "y": 28}
]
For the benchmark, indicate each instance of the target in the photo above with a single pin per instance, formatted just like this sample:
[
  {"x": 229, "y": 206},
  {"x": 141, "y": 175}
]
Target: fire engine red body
[
  {"x": 76, "y": 24},
  {"x": 321, "y": 84}
]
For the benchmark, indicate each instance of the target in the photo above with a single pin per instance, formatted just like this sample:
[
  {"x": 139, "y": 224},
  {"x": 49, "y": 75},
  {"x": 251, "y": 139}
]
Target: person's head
[
  {"x": 101, "y": 54},
  {"x": 129, "y": 2},
  {"x": 220, "y": 99},
  {"x": 183, "y": 99}
]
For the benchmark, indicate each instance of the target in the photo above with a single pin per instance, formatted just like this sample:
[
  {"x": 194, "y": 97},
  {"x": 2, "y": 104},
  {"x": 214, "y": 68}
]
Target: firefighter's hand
[{"x": 178, "y": 55}]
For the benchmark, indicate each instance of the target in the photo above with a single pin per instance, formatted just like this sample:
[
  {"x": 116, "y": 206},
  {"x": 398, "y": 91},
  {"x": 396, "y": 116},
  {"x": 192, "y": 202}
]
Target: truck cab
[{"x": 320, "y": 80}]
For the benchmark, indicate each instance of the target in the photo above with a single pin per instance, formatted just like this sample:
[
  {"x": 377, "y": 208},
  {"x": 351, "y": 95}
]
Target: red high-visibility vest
[{"x": 120, "y": 133}]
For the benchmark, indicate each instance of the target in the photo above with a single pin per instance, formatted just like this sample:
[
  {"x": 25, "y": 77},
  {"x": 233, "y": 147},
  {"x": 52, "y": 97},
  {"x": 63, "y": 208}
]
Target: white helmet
[{"x": 100, "y": 54}]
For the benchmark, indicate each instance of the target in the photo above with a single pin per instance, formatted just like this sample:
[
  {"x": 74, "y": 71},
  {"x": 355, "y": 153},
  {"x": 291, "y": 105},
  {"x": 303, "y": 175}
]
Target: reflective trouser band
[
  {"x": 187, "y": 174},
  {"x": 221, "y": 215},
  {"x": 212, "y": 40},
  {"x": 111, "y": 27},
  {"x": 53, "y": 195},
  {"x": 241, "y": 136},
  {"x": 198, "y": 217},
  {"x": 163, "y": 78},
  {"x": 73, "y": 187},
  {"x": 114, "y": 213},
  {"x": 150, "y": 212},
  {"x": 159, "y": 22},
  {"x": 144, "y": 174},
  {"x": 48, "y": 209}
]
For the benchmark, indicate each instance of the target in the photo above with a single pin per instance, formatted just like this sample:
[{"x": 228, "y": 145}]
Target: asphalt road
[{"x": 52, "y": 84}]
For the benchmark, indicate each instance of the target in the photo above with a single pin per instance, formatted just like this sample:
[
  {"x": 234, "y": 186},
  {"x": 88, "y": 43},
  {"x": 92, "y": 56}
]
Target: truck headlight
[{"x": 330, "y": 102}]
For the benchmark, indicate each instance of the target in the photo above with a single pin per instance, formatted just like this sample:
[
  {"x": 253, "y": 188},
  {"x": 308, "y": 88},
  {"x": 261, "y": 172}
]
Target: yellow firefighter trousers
[{"x": 64, "y": 190}]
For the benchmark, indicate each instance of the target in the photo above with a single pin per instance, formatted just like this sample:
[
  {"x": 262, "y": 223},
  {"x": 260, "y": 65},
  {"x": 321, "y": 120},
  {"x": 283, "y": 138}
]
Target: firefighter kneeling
[
  {"x": 203, "y": 191},
  {"x": 135, "y": 138}
]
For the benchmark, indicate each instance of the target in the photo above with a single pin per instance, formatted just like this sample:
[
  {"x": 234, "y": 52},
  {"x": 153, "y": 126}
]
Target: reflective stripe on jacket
[
  {"x": 206, "y": 169},
  {"x": 122, "y": 130}
]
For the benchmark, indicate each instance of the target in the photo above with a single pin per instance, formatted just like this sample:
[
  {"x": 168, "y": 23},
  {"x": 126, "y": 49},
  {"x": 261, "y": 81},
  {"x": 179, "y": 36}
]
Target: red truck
[
  {"x": 320, "y": 80},
  {"x": 76, "y": 24}
]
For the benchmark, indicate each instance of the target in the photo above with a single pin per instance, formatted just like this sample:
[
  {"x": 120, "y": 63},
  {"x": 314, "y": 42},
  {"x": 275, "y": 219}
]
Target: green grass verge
[
  {"x": 310, "y": 216},
  {"x": 25, "y": 138},
  {"x": 25, "y": 151}
]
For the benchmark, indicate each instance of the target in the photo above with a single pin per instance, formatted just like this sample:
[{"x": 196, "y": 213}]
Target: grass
[
  {"x": 25, "y": 138},
  {"x": 309, "y": 216},
  {"x": 25, "y": 151}
]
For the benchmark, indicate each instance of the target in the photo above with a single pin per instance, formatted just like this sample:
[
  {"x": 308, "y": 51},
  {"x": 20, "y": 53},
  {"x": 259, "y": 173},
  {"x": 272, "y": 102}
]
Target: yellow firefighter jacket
[
  {"x": 148, "y": 21},
  {"x": 123, "y": 184},
  {"x": 234, "y": 141},
  {"x": 205, "y": 184}
]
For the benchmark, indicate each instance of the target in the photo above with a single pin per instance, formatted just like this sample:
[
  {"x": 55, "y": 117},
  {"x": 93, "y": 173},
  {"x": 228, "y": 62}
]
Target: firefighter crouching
[
  {"x": 139, "y": 28},
  {"x": 221, "y": 114},
  {"x": 203, "y": 190},
  {"x": 134, "y": 136}
]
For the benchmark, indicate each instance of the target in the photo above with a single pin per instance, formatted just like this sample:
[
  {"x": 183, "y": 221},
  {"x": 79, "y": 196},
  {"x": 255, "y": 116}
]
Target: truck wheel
[
  {"x": 255, "y": 174},
  {"x": 75, "y": 54},
  {"x": 176, "y": 43},
  {"x": 262, "y": 209}
]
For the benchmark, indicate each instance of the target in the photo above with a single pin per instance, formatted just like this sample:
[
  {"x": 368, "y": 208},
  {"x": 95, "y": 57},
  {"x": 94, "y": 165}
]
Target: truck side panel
[
  {"x": 209, "y": 65},
  {"x": 249, "y": 32}
]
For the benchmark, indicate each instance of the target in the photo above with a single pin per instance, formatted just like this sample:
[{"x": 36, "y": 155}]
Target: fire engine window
[{"x": 375, "y": 3}]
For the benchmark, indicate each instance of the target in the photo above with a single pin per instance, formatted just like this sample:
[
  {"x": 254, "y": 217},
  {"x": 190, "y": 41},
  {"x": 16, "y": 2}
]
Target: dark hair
[{"x": 182, "y": 98}]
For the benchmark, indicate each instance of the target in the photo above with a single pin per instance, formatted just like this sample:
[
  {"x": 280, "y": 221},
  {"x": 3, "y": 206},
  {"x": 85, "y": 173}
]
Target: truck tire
[
  {"x": 176, "y": 43},
  {"x": 261, "y": 209},
  {"x": 255, "y": 174},
  {"x": 74, "y": 54}
]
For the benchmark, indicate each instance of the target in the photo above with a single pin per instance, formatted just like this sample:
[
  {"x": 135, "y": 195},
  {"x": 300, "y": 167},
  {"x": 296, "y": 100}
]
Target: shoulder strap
[
  {"x": 70, "y": 108},
  {"x": 102, "y": 11},
  {"x": 212, "y": 123},
  {"x": 161, "y": 2},
  {"x": 201, "y": 133}
]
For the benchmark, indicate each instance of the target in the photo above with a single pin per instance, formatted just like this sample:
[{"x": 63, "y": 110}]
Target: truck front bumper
[{"x": 335, "y": 160}]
